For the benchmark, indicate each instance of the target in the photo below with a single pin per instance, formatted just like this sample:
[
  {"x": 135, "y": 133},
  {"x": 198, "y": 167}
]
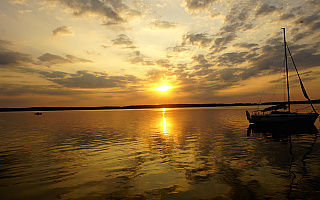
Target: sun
[{"x": 163, "y": 88}]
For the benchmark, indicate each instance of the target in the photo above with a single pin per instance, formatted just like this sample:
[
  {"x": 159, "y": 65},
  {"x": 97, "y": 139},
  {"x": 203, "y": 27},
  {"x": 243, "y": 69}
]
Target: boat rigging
[{"x": 276, "y": 117}]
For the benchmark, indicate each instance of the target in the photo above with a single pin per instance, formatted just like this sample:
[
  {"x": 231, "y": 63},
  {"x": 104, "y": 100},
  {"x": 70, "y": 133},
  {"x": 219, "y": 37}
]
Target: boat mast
[{"x": 286, "y": 62}]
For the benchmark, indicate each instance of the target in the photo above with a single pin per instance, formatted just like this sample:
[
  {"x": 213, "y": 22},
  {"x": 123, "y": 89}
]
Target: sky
[{"x": 117, "y": 52}]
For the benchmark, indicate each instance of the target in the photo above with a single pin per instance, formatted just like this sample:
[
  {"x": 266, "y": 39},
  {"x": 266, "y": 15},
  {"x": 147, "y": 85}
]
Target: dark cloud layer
[
  {"x": 110, "y": 11},
  {"x": 265, "y": 9},
  {"x": 56, "y": 59},
  {"x": 86, "y": 79},
  {"x": 200, "y": 39},
  {"x": 17, "y": 90},
  {"x": 198, "y": 5},
  {"x": 245, "y": 45},
  {"x": 9, "y": 57},
  {"x": 286, "y": 16},
  {"x": 12, "y": 57}
]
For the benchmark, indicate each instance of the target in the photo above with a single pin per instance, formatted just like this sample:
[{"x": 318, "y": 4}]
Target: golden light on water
[{"x": 164, "y": 121}]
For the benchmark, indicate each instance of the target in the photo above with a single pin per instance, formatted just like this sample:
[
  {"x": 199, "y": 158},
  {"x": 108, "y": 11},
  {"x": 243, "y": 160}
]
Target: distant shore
[{"x": 150, "y": 106}]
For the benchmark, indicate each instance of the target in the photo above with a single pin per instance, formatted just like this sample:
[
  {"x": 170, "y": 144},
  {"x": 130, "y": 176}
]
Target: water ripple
[{"x": 151, "y": 154}]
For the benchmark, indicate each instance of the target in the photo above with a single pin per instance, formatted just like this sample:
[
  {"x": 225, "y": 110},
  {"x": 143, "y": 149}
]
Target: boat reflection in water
[
  {"x": 281, "y": 131},
  {"x": 299, "y": 150}
]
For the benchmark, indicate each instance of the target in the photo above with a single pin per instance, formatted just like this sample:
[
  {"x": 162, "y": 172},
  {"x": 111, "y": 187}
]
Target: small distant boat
[
  {"x": 271, "y": 115},
  {"x": 38, "y": 113}
]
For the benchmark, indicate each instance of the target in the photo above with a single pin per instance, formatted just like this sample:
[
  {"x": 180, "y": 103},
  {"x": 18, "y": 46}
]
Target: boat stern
[{"x": 248, "y": 115}]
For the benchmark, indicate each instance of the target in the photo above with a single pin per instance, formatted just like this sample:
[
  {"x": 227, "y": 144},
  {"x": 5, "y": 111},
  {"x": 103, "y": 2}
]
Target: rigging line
[
  {"x": 284, "y": 82},
  {"x": 301, "y": 84},
  {"x": 267, "y": 78},
  {"x": 277, "y": 85},
  {"x": 276, "y": 88},
  {"x": 287, "y": 70}
]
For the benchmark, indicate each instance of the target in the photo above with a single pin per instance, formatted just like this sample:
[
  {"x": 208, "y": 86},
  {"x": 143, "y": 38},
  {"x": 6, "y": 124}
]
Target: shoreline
[{"x": 149, "y": 106}]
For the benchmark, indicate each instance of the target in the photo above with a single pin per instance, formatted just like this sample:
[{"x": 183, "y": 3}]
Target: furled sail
[
  {"x": 304, "y": 90},
  {"x": 276, "y": 107},
  {"x": 301, "y": 84}
]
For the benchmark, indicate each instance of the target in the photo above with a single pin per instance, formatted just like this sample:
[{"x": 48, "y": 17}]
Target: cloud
[
  {"x": 271, "y": 58},
  {"x": 53, "y": 74},
  {"x": 237, "y": 14},
  {"x": 164, "y": 63},
  {"x": 301, "y": 36},
  {"x": 155, "y": 75},
  {"x": 313, "y": 3},
  {"x": 4, "y": 44},
  {"x": 8, "y": 57},
  {"x": 25, "y": 11},
  {"x": 305, "y": 56},
  {"x": 47, "y": 57},
  {"x": 92, "y": 53},
  {"x": 62, "y": 30},
  {"x": 17, "y": 90},
  {"x": 194, "y": 6},
  {"x": 123, "y": 40},
  {"x": 306, "y": 20},
  {"x": 110, "y": 11},
  {"x": 159, "y": 24},
  {"x": 232, "y": 59},
  {"x": 21, "y": 2},
  {"x": 15, "y": 61},
  {"x": 286, "y": 16},
  {"x": 229, "y": 74},
  {"x": 200, "y": 39},
  {"x": 177, "y": 49},
  {"x": 89, "y": 80},
  {"x": 245, "y": 45},
  {"x": 56, "y": 59},
  {"x": 200, "y": 58},
  {"x": 315, "y": 26},
  {"x": 238, "y": 18},
  {"x": 234, "y": 27},
  {"x": 265, "y": 9},
  {"x": 222, "y": 41},
  {"x": 138, "y": 58},
  {"x": 214, "y": 15}
]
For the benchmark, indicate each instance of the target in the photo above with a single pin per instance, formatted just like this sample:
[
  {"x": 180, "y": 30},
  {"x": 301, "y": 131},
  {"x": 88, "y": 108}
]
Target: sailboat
[{"x": 271, "y": 115}]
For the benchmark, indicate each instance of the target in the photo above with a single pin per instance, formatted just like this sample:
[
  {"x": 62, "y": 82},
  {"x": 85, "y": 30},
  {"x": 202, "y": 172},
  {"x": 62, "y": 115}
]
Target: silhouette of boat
[
  {"x": 38, "y": 113},
  {"x": 271, "y": 115}
]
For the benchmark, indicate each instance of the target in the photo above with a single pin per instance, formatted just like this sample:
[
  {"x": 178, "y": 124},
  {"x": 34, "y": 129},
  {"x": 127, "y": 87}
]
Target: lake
[{"x": 194, "y": 153}]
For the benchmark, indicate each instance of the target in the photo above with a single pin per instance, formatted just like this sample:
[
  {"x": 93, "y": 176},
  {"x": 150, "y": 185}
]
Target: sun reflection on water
[{"x": 164, "y": 121}]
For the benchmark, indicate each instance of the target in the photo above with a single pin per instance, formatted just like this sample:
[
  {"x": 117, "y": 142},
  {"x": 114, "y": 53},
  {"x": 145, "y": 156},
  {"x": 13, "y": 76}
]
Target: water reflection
[
  {"x": 152, "y": 154},
  {"x": 280, "y": 131},
  {"x": 299, "y": 150},
  {"x": 164, "y": 121}
]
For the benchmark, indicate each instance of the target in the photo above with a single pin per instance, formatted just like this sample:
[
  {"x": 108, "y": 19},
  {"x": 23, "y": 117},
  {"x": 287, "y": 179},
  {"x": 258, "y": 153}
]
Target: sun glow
[{"x": 163, "y": 88}]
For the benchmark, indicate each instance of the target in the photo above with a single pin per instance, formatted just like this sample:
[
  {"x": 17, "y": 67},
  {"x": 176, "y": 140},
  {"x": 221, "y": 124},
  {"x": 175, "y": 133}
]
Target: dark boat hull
[{"x": 292, "y": 118}]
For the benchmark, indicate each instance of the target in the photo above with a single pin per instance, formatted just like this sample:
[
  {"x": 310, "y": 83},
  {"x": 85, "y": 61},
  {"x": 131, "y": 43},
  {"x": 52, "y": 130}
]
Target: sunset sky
[{"x": 118, "y": 52}]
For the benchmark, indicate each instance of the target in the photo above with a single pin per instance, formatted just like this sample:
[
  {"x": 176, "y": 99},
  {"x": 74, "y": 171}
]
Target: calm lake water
[{"x": 203, "y": 153}]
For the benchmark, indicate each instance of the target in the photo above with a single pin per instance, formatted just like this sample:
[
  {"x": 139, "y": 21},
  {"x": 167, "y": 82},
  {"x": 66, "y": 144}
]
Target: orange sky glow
[{"x": 121, "y": 52}]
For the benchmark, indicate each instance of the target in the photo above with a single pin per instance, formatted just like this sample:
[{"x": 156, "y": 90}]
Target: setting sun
[{"x": 163, "y": 88}]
